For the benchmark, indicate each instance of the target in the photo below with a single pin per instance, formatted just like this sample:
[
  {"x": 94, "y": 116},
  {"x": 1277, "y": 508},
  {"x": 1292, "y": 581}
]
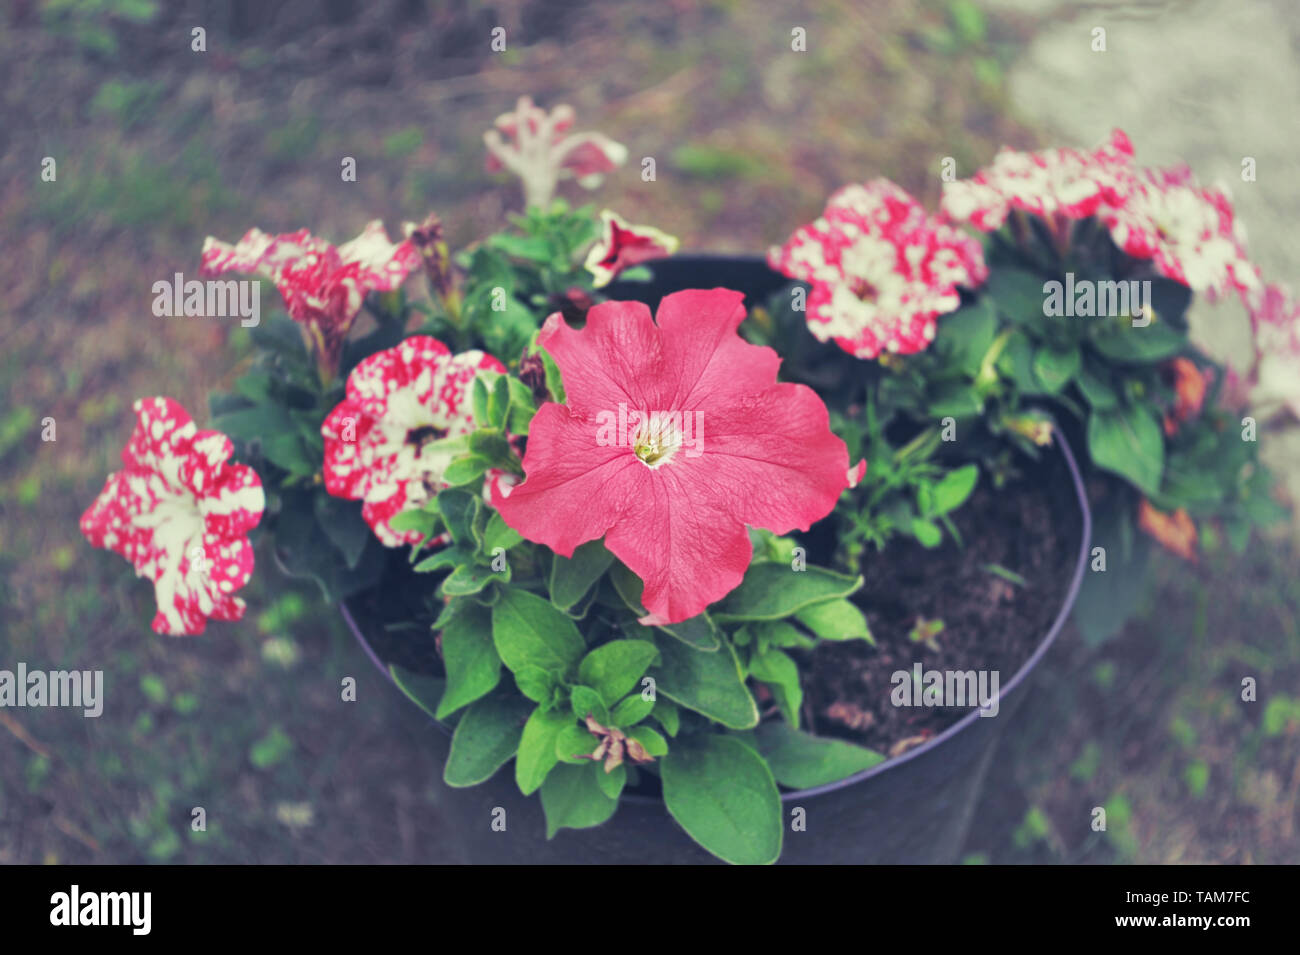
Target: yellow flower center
[{"x": 656, "y": 441}]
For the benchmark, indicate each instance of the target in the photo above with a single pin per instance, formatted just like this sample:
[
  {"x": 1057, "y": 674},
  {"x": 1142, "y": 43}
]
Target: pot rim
[{"x": 931, "y": 744}]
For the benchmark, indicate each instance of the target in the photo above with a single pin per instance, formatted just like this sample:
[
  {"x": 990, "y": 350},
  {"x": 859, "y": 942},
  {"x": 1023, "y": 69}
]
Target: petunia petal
[
  {"x": 698, "y": 330},
  {"x": 569, "y": 472},
  {"x": 686, "y": 546},
  {"x": 383, "y": 265},
  {"x": 775, "y": 453},
  {"x": 615, "y": 359}
]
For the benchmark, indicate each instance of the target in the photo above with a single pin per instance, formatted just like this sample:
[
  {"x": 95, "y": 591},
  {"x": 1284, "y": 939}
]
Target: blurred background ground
[{"x": 158, "y": 146}]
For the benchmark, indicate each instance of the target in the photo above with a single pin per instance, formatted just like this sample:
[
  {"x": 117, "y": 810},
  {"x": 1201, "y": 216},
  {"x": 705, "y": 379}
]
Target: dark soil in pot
[{"x": 991, "y": 623}]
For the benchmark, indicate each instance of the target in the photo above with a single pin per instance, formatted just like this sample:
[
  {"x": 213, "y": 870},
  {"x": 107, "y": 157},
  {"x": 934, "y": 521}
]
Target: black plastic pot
[{"x": 915, "y": 808}]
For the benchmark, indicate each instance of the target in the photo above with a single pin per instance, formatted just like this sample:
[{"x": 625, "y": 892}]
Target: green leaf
[
  {"x": 613, "y": 669},
  {"x": 447, "y": 557},
  {"x": 958, "y": 400},
  {"x": 777, "y": 633},
  {"x": 638, "y": 273},
  {"x": 523, "y": 406},
  {"x": 534, "y": 248},
  {"x": 775, "y": 668},
  {"x": 628, "y": 585},
  {"x": 722, "y": 793},
  {"x": 1017, "y": 294},
  {"x": 571, "y": 578},
  {"x": 1055, "y": 367},
  {"x": 968, "y": 19},
  {"x": 1139, "y": 345},
  {"x": 574, "y": 744},
  {"x": 709, "y": 683},
  {"x": 951, "y": 491},
  {"x": 286, "y": 450},
  {"x": 667, "y": 715},
  {"x": 426, "y": 522},
  {"x": 479, "y": 394},
  {"x": 271, "y": 749},
  {"x": 303, "y": 550},
  {"x": 836, "y": 620},
  {"x": 773, "y": 591},
  {"x": 423, "y": 690},
  {"x": 459, "y": 509},
  {"x": 528, "y": 631},
  {"x": 1016, "y": 363},
  {"x": 254, "y": 424},
  {"x": 485, "y": 738},
  {"x": 631, "y": 710},
  {"x": 768, "y": 548},
  {"x": 572, "y": 798},
  {"x": 966, "y": 335},
  {"x": 926, "y": 532},
  {"x": 587, "y": 702},
  {"x": 800, "y": 760},
  {"x": 654, "y": 743},
  {"x": 535, "y": 683},
  {"x": 536, "y": 756},
  {"x": 498, "y": 403},
  {"x": 1097, "y": 390},
  {"x": 611, "y": 783},
  {"x": 468, "y": 653},
  {"x": 465, "y": 469},
  {"x": 1128, "y": 442},
  {"x": 499, "y": 534},
  {"x": 698, "y": 632},
  {"x": 471, "y": 579}
]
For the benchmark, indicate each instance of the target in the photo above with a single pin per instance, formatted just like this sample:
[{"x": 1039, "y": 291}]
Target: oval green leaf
[{"x": 723, "y": 794}]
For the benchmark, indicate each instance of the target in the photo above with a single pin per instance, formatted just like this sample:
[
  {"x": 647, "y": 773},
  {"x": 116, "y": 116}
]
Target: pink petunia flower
[
  {"x": 538, "y": 148},
  {"x": 881, "y": 269},
  {"x": 622, "y": 246},
  {"x": 380, "y": 440},
  {"x": 1069, "y": 183},
  {"x": 323, "y": 286},
  {"x": 181, "y": 515},
  {"x": 675, "y": 436},
  {"x": 1191, "y": 232}
]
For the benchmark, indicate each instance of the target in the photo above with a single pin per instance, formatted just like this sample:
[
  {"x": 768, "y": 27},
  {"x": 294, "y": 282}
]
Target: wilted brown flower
[
  {"x": 1189, "y": 384},
  {"x": 573, "y": 304},
  {"x": 613, "y": 746},
  {"x": 1036, "y": 429},
  {"x": 427, "y": 237},
  {"x": 1174, "y": 532}
]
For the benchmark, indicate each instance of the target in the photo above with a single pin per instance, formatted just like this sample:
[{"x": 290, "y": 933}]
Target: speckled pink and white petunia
[
  {"x": 382, "y": 442},
  {"x": 1190, "y": 232},
  {"x": 622, "y": 245},
  {"x": 881, "y": 269},
  {"x": 323, "y": 286},
  {"x": 1275, "y": 318},
  {"x": 539, "y": 148},
  {"x": 180, "y": 513},
  {"x": 1061, "y": 182}
]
